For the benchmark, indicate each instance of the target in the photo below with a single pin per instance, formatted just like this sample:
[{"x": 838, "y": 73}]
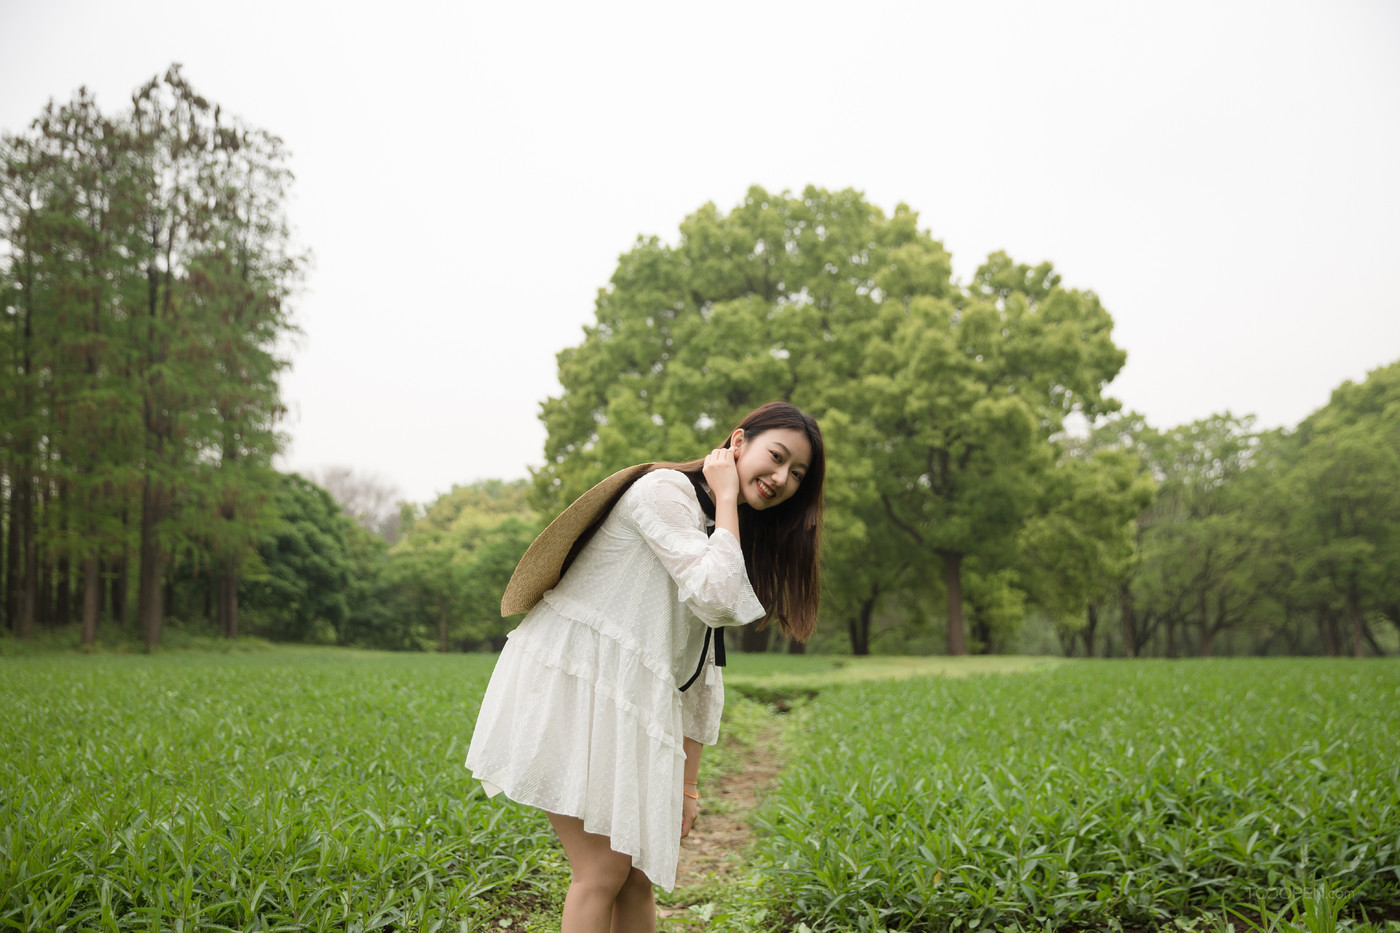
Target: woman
[{"x": 605, "y": 694}]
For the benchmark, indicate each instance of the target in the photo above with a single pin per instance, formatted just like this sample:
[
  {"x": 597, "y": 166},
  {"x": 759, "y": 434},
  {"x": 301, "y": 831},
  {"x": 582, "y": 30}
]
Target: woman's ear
[{"x": 736, "y": 439}]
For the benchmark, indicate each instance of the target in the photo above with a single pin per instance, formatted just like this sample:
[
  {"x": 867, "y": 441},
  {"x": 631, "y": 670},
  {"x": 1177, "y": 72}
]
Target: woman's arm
[
  {"x": 709, "y": 572},
  {"x": 723, "y": 478},
  {"x": 690, "y": 806}
]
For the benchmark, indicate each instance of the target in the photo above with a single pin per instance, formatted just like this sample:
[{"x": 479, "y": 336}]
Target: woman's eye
[{"x": 776, "y": 457}]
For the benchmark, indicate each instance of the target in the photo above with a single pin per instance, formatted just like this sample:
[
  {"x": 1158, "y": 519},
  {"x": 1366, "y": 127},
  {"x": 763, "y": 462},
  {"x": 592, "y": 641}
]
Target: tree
[
  {"x": 216, "y": 272},
  {"x": 148, "y": 265},
  {"x": 297, "y": 590},
  {"x": 1344, "y": 486},
  {"x": 768, "y": 301},
  {"x": 368, "y": 499},
  {"x": 968, "y": 391},
  {"x": 1081, "y": 549},
  {"x": 1203, "y": 543},
  {"x": 861, "y": 561},
  {"x": 454, "y": 560},
  {"x": 948, "y": 396}
]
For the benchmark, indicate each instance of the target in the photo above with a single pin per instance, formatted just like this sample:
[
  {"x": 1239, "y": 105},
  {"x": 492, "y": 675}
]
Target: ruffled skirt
[{"x": 576, "y": 724}]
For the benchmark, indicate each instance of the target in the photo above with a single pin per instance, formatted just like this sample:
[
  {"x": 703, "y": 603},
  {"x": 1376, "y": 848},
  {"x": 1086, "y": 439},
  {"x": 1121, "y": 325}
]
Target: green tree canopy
[
  {"x": 941, "y": 400},
  {"x": 454, "y": 559},
  {"x": 300, "y": 591}
]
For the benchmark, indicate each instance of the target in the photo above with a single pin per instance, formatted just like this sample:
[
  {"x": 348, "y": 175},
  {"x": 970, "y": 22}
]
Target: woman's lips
[{"x": 764, "y": 489}]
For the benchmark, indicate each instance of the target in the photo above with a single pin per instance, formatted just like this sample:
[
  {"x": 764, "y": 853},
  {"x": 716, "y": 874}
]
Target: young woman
[{"x": 604, "y": 695}]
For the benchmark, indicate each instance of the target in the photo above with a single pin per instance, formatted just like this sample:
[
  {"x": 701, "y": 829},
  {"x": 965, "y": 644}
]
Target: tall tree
[
  {"x": 968, "y": 391},
  {"x": 297, "y": 590},
  {"x": 87, "y": 228},
  {"x": 771, "y": 300},
  {"x": 1345, "y": 521},
  {"x": 1202, "y": 549},
  {"x": 863, "y": 564},
  {"x": 22, "y": 189},
  {"x": 949, "y": 395},
  {"x": 1081, "y": 549},
  {"x": 217, "y": 271},
  {"x": 454, "y": 560},
  {"x": 148, "y": 266}
]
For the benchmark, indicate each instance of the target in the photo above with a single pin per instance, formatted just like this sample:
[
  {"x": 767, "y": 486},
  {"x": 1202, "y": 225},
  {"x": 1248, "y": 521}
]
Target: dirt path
[{"x": 711, "y": 853}]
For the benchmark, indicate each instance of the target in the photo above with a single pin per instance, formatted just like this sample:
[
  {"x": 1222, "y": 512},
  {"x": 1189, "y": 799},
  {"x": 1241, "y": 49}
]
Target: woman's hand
[
  {"x": 690, "y": 809},
  {"x": 722, "y": 475}
]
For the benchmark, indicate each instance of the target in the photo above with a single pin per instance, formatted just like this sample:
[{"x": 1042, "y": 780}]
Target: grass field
[
  {"x": 1091, "y": 794},
  {"x": 324, "y": 790}
]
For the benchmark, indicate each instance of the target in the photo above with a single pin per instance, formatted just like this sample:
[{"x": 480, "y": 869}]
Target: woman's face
[{"x": 771, "y": 465}]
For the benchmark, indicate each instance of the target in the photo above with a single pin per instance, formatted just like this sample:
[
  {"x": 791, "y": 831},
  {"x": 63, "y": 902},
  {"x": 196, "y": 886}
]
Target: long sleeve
[{"x": 708, "y": 570}]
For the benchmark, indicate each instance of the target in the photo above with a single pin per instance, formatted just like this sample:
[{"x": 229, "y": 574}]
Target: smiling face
[{"x": 771, "y": 465}]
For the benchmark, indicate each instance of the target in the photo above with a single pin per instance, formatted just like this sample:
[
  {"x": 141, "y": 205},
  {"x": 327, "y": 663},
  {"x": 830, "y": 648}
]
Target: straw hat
[{"x": 539, "y": 569}]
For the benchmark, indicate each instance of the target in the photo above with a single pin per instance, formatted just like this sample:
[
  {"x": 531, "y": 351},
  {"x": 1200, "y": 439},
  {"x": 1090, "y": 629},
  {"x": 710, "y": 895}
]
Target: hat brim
[{"x": 543, "y": 563}]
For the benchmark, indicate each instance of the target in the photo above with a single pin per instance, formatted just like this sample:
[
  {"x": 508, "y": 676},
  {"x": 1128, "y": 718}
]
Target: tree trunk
[
  {"x": 228, "y": 602},
  {"x": 442, "y": 629},
  {"x": 43, "y": 597},
  {"x": 150, "y": 610},
  {"x": 120, "y": 570},
  {"x": 92, "y": 597},
  {"x": 25, "y": 584},
  {"x": 221, "y": 607},
  {"x": 859, "y": 646},
  {"x": 1169, "y": 621},
  {"x": 1358, "y": 624},
  {"x": 859, "y": 625},
  {"x": 981, "y": 631},
  {"x": 753, "y": 639},
  {"x": 63, "y": 571},
  {"x": 29, "y": 575},
  {"x": 1091, "y": 623},
  {"x": 1208, "y": 640},
  {"x": 63, "y": 603},
  {"x": 1328, "y": 625},
  {"x": 13, "y": 567},
  {"x": 1129, "y": 611},
  {"x": 1371, "y": 639},
  {"x": 1203, "y": 620},
  {"x": 952, "y": 571},
  {"x": 5, "y": 544}
]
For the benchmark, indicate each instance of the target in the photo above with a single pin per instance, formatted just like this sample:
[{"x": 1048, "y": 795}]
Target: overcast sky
[{"x": 1224, "y": 175}]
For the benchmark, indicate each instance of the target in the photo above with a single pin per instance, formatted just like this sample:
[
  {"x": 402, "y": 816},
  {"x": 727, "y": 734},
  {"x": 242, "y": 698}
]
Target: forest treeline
[
  {"x": 958, "y": 505},
  {"x": 146, "y": 267},
  {"x": 147, "y": 272}
]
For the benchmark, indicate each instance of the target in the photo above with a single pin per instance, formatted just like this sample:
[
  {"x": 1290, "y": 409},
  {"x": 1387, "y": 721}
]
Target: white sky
[{"x": 1225, "y": 175}]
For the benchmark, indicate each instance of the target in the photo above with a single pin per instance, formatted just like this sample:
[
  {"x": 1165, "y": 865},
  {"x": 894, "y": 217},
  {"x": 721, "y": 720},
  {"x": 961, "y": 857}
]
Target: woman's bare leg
[
  {"x": 634, "y": 911},
  {"x": 605, "y": 891}
]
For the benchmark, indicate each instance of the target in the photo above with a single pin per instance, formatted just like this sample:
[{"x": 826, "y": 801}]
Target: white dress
[{"x": 583, "y": 715}]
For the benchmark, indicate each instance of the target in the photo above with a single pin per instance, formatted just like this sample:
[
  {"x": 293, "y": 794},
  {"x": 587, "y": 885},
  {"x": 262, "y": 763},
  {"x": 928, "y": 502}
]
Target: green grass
[
  {"x": 292, "y": 790},
  {"x": 773, "y": 678},
  {"x": 322, "y": 789},
  {"x": 281, "y": 789},
  {"x": 175, "y": 638},
  {"x": 1087, "y": 795}
]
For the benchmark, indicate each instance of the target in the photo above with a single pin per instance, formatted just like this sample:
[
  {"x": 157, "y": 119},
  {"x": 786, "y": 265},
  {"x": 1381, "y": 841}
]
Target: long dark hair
[{"x": 782, "y": 545}]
